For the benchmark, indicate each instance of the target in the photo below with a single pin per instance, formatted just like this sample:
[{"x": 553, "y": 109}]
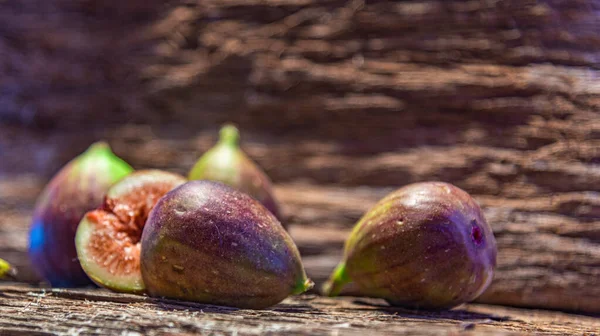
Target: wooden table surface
[{"x": 32, "y": 311}]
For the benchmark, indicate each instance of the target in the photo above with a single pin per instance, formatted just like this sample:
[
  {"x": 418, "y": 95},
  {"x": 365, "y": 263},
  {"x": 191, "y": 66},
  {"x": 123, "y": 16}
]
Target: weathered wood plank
[{"x": 32, "y": 311}]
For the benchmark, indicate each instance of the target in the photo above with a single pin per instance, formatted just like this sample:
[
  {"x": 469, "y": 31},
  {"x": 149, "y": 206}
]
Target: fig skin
[
  {"x": 207, "y": 242},
  {"x": 108, "y": 238},
  {"x": 78, "y": 187},
  {"x": 426, "y": 245},
  {"x": 228, "y": 164}
]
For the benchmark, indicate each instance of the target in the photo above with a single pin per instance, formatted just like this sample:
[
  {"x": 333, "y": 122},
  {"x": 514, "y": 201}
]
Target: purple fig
[
  {"x": 77, "y": 188},
  {"x": 426, "y": 245},
  {"x": 228, "y": 164},
  {"x": 108, "y": 239},
  {"x": 207, "y": 242}
]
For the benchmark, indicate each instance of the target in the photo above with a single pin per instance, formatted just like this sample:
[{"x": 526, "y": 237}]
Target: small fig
[
  {"x": 426, "y": 245},
  {"x": 6, "y": 270},
  {"x": 228, "y": 164},
  {"x": 78, "y": 187},
  {"x": 108, "y": 239},
  {"x": 207, "y": 242}
]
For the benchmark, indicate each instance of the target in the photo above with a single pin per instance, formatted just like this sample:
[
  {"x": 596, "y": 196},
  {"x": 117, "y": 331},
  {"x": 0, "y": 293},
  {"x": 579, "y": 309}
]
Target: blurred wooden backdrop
[{"x": 340, "y": 102}]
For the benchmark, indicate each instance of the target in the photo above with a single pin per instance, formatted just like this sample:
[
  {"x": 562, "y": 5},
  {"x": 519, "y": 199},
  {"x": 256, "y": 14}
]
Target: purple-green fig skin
[
  {"x": 426, "y": 245},
  {"x": 77, "y": 188},
  {"x": 255, "y": 183},
  {"x": 226, "y": 162},
  {"x": 207, "y": 242}
]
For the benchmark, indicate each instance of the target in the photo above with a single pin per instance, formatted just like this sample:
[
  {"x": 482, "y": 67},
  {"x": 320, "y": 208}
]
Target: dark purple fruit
[
  {"x": 426, "y": 245},
  {"x": 108, "y": 239},
  {"x": 228, "y": 164},
  {"x": 76, "y": 189},
  {"x": 209, "y": 243}
]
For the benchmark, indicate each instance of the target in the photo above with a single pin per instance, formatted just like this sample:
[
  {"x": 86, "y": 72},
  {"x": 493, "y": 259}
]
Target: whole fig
[
  {"x": 426, "y": 245},
  {"x": 207, "y": 242},
  {"x": 108, "y": 239},
  {"x": 76, "y": 188},
  {"x": 228, "y": 164}
]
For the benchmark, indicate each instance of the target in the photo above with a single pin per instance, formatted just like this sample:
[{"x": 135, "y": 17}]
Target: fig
[
  {"x": 426, "y": 245},
  {"x": 108, "y": 239},
  {"x": 77, "y": 188},
  {"x": 6, "y": 270},
  {"x": 227, "y": 163},
  {"x": 207, "y": 242}
]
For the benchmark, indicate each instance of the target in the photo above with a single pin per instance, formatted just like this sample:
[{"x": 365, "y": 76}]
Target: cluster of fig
[
  {"x": 216, "y": 240},
  {"x": 215, "y": 237}
]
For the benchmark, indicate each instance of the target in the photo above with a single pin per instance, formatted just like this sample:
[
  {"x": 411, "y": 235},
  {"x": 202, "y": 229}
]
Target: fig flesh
[
  {"x": 75, "y": 189},
  {"x": 207, "y": 242},
  {"x": 426, "y": 245},
  {"x": 227, "y": 163},
  {"x": 108, "y": 239}
]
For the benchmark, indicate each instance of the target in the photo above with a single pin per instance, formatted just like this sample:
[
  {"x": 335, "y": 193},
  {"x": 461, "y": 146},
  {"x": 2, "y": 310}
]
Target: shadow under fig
[{"x": 456, "y": 314}]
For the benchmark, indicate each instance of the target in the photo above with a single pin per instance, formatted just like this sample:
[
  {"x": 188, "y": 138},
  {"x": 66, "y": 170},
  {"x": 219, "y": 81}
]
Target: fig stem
[
  {"x": 339, "y": 278},
  {"x": 303, "y": 287},
  {"x": 99, "y": 146},
  {"x": 229, "y": 135}
]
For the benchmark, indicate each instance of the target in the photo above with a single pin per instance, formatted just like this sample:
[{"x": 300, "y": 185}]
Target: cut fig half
[{"x": 108, "y": 239}]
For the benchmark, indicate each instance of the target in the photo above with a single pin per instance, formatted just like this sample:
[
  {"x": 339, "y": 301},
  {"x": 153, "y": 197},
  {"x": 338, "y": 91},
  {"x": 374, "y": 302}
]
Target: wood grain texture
[
  {"x": 30, "y": 311},
  {"x": 340, "y": 102}
]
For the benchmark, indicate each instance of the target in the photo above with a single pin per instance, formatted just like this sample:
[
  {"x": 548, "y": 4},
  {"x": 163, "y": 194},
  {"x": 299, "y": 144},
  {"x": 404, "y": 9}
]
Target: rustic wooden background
[{"x": 340, "y": 102}]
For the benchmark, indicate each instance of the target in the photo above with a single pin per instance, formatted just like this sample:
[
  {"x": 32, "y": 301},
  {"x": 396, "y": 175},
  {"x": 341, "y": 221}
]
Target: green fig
[
  {"x": 207, "y": 242},
  {"x": 108, "y": 239},
  {"x": 78, "y": 187},
  {"x": 228, "y": 164},
  {"x": 6, "y": 270},
  {"x": 426, "y": 245}
]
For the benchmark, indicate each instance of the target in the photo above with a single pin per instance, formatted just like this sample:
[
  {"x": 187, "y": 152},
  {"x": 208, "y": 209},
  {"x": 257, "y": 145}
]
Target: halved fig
[{"x": 108, "y": 239}]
